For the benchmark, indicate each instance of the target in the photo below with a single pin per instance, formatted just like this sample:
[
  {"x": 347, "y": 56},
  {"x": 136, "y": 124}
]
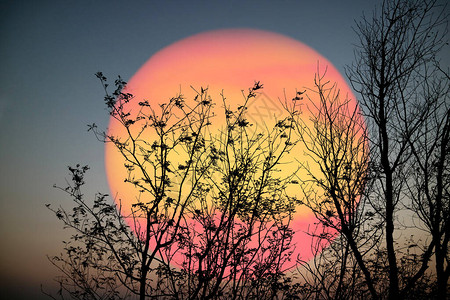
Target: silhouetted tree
[
  {"x": 429, "y": 186},
  {"x": 333, "y": 135},
  {"x": 395, "y": 56},
  {"x": 224, "y": 209},
  {"x": 350, "y": 260}
]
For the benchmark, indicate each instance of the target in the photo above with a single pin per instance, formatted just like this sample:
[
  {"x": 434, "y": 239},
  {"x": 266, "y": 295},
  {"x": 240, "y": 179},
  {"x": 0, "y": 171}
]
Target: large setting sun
[{"x": 230, "y": 62}]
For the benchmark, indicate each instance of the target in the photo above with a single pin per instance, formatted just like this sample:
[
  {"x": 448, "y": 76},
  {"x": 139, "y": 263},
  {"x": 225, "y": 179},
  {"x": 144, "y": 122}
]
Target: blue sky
[{"x": 49, "y": 53}]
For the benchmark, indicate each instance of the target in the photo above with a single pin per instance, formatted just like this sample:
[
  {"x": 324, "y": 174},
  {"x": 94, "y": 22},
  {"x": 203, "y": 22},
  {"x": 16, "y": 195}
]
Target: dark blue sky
[{"x": 49, "y": 52}]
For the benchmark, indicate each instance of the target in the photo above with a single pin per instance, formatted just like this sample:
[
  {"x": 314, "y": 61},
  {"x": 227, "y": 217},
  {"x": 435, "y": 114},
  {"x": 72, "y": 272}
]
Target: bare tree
[
  {"x": 430, "y": 184},
  {"x": 350, "y": 260},
  {"x": 335, "y": 142},
  {"x": 397, "y": 46},
  {"x": 205, "y": 227}
]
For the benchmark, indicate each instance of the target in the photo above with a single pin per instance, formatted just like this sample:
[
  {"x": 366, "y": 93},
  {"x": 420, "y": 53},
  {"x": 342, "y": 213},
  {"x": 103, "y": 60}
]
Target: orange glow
[{"x": 228, "y": 61}]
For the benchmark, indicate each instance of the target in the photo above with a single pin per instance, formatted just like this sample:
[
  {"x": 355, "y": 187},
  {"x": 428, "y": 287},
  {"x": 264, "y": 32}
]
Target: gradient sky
[{"x": 49, "y": 52}]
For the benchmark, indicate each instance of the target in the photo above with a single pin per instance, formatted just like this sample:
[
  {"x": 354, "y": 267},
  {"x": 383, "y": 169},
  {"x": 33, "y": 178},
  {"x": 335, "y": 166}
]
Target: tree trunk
[{"x": 388, "y": 195}]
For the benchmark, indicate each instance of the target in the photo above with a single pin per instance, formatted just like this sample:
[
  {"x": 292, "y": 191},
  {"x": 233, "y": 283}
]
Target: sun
[{"x": 228, "y": 61}]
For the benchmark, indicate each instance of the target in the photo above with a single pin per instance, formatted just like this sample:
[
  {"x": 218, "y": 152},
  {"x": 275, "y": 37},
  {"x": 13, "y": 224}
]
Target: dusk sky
[{"x": 49, "y": 53}]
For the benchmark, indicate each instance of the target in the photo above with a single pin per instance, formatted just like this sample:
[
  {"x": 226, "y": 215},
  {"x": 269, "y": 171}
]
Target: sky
[{"x": 49, "y": 53}]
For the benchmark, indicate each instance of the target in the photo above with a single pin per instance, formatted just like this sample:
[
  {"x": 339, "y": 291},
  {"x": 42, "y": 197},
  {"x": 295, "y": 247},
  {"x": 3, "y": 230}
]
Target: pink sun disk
[{"x": 229, "y": 61}]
